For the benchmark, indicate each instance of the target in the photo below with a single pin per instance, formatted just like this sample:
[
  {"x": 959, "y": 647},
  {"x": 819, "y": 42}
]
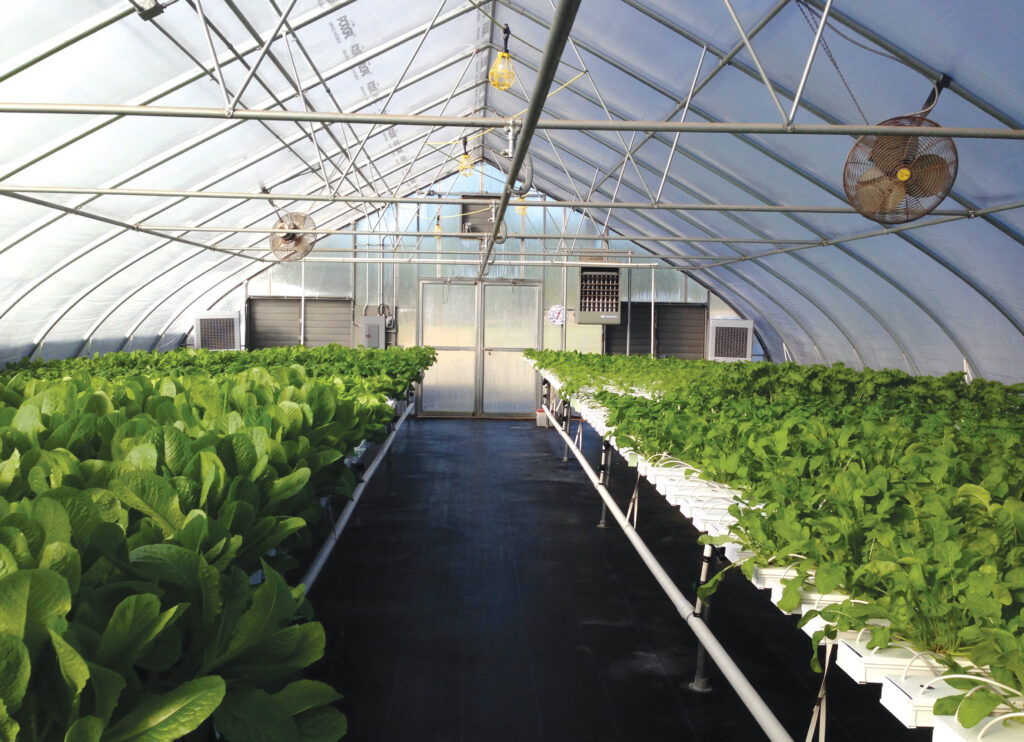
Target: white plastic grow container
[
  {"x": 872, "y": 665},
  {"x": 948, "y": 729},
  {"x": 809, "y": 600},
  {"x": 910, "y": 699},
  {"x": 765, "y": 578}
]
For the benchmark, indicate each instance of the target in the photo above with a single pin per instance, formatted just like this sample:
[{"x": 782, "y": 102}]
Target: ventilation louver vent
[
  {"x": 730, "y": 339},
  {"x": 218, "y": 331}
]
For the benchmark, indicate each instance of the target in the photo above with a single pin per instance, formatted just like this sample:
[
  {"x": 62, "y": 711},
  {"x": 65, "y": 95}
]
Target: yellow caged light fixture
[
  {"x": 521, "y": 206},
  {"x": 502, "y": 74},
  {"x": 465, "y": 161}
]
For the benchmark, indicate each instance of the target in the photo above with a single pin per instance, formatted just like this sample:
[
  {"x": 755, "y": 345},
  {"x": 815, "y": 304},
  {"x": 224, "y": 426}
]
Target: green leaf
[
  {"x": 142, "y": 457},
  {"x": 9, "y": 471},
  {"x": 324, "y": 724},
  {"x": 170, "y": 716},
  {"x": 65, "y": 560},
  {"x": 272, "y": 604},
  {"x": 829, "y": 576},
  {"x": 9, "y": 728},
  {"x": 289, "y": 485},
  {"x": 8, "y": 563},
  {"x": 323, "y": 401},
  {"x": 976, "y": 706},
  {"x": 290, "y": 649},
  {"x": 207, "y": 470},
  {"x": 83, "y": 514},
  {"x": 86, "y": 729},
  {"x": 167, "y": 562},
  {"x": 15, "y": 670},
  {"x": 72, "y": 667},
  {"x": 177, "y": 449},
  {"x": 947, "y": 705},
  {"x": 28, "y": 420},
  {"x": 130, "y": 620},
  {"x": 53, "y": 518},
  {"x": 106, "y": 689},
  {"x": 152, "y": 496},
  {"x": 790, "y": 595},
  {"x": 252, "y": 715},
  {"x": 29, "y": 599},
  {"x": 304, "y": 694}
]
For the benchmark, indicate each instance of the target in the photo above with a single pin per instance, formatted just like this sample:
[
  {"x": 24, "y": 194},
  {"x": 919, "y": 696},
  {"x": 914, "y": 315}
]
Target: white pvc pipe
[
  {"x": 339, "y": 525},
  {"x": 758, "y": 708}
]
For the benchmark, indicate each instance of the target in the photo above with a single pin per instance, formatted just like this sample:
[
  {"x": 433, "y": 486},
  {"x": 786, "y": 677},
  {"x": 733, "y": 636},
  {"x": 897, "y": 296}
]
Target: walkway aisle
[{"x": 472, "y": 599}]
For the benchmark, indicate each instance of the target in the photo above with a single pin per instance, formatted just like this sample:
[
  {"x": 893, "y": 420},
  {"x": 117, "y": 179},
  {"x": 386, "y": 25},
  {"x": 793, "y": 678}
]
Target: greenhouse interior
[{"x": 628, "y": 370}]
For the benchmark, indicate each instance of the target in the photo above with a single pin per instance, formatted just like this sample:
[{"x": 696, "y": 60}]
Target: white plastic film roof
[{"x": 86, "y": 264}]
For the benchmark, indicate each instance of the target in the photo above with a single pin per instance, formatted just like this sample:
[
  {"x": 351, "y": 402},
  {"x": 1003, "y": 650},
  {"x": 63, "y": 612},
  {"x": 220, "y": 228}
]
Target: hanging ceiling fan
[
  {"x": 897, "y": 178},
  {"x": 295, "y": 243}
]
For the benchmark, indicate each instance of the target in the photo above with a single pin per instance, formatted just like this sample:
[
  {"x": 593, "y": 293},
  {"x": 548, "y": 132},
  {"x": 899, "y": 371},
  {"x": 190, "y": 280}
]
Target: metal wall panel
[
  {"x": 637, "y": 318},
  {"x": 328, "y": 321},
  {"x": 272, "y": 322},
  {"x": 680, "y": 330}
]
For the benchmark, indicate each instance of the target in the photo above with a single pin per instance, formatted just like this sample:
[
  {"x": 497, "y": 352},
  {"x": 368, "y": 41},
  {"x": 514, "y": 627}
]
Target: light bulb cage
[
  {"x": 521, "y": 206},
  {"x": 502, "y": 73},
  {"x": 465, "y": 161}
]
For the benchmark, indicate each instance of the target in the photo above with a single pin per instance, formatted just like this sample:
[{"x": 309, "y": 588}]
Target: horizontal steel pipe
[
  {"x": 487, "y": 122},
  {"x": 746, "y": 692},
  {"x": 433, "y": 201}
]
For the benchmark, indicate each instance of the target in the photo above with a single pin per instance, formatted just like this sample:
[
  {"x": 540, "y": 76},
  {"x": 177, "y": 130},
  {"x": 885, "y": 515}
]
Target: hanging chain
[{"x": 806, "y": 12}]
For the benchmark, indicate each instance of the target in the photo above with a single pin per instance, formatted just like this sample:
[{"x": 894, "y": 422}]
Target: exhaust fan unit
[
  {"x": 218, "y": 331},
  {"x": 730, "y": 339}
]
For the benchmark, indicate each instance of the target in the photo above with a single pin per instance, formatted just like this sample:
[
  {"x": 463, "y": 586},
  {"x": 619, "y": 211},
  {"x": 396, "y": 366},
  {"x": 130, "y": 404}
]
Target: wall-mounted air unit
[
  {"x": 218, "y": 331},
  {"x": 730, "y": 339},
  {"x": 599, "y": 297},
  {"x": 476, "y": 219}
]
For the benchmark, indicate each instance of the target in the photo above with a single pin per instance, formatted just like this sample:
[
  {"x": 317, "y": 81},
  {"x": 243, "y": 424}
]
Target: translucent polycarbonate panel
[
  {"x": 950, "y": 43},
  {"x": 669, "y": 285},
  {"x": 511, "y": 316},
  {"x": 510, "y": 383},
  {"x": 448, "y": 314},
  {"x": 449, "y": 385},
  {"x": 982, "y": 333},
  {"x": 27, "y": 35}
]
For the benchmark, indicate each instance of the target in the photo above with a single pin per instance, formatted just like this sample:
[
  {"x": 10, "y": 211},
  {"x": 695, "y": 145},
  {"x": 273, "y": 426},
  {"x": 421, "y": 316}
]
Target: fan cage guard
[
  {"x": 289, "y": 251},
  {"x": 897, "y": 178}
]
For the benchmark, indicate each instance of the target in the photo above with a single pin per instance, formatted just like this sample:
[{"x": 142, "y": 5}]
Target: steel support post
[
  {"x": 700, "y": 682},
  {"x": 603, "y": 475},
  {"x": 566, "y": 421}
]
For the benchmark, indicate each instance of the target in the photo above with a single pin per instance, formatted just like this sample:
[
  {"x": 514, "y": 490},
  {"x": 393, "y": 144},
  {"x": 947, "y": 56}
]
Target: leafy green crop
[
  {"x": 148, "y": 508},
  {"x": 903, "y": 492}
]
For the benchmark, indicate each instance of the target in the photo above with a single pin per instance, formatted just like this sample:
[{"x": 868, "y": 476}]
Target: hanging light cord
[{"x": 505, "y": 34}]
